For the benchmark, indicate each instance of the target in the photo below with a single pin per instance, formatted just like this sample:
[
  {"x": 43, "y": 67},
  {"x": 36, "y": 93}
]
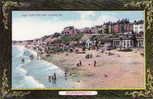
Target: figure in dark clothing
[
  {"x": 49, "y": 78},
  {"x": 22, "y": 60},
  {"x": 55, "y": 76},
  {"x": 31, "y": 57},
  {"x": 80, "y": 63},
  {"x": 95, "y": 63},
  {"x": 53, "y": 79},
  {"x": 65, "y": 75},
  {"x": 105, "y": 75},
  {"x": 77, "y": 64}
]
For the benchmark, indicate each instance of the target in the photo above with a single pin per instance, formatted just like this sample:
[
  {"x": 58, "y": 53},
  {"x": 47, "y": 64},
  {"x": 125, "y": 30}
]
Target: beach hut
[{"x": 88, "y": 44}]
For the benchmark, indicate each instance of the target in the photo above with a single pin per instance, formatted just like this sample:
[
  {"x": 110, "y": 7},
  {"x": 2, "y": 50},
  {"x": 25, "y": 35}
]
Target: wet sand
[{"x": 121, "y": 70}]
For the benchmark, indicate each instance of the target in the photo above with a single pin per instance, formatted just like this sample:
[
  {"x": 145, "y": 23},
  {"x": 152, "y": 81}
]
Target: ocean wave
[
  {"x": 20, "y": 78},
  {"x": 34, "y": 73},
  {"x": 28, "y": 82}
]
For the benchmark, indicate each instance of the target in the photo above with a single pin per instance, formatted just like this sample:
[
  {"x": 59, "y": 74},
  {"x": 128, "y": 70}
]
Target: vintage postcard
[{"x": 78, "y": 50}]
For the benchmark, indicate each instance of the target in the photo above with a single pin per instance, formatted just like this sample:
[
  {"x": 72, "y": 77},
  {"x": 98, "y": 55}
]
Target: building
[
  {"x": 94, "y": 30},
  {"x": 110, "y": 28},
  {"x": 69, "y": 30},
  {"x": 122, "y": 26},
  {"x": 138, "y": 27},
  {"x": 105, "y": 28},
  {"x": 99, "y": 29},
  {"x": 108, "y": 45},
  {"x": 127, "y": 43},
  {"x": 140, "y": 42},
  {"x": 85, "y": 30},
  {"x": 129, "y": 27},
  {"x": 116, "y": 28}
]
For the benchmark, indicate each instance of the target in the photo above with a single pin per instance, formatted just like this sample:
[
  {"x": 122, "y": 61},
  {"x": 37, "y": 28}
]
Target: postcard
[{"x": 95, "y": 50}]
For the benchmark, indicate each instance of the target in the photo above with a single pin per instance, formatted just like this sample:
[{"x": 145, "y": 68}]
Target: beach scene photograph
[{"x": 78, "y": 50}]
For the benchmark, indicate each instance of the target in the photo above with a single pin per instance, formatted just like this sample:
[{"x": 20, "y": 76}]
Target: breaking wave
[{"x": 33, "y": 73}]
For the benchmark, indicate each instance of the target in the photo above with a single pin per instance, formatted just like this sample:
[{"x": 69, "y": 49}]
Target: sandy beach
[{"x": 120, "y": 70}]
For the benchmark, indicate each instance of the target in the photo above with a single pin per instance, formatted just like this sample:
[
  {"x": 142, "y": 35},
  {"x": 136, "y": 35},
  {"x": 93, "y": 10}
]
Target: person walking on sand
[
  {"x": 80, "y": 63},
  {"x": 94, "y": 63}
]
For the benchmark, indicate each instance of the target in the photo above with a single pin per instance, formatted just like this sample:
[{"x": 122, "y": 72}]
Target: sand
[{"x": 121, "y": 70}]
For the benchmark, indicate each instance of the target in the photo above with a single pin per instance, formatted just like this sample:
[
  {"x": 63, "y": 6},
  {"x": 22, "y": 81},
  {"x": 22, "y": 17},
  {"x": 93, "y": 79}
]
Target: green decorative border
[{"x": 6, "y": 6}]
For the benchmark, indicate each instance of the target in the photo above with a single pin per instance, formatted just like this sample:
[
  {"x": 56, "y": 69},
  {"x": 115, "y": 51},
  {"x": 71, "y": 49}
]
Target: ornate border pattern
[{"x": 7, "y": 5}]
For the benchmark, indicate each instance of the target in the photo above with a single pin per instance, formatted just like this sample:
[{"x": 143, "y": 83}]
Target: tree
[{"x": 56, "y": 34}]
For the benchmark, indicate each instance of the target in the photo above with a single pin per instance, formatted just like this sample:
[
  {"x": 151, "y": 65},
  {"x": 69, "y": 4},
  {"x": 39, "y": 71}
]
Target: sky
[{"x": 28, "y": 25}]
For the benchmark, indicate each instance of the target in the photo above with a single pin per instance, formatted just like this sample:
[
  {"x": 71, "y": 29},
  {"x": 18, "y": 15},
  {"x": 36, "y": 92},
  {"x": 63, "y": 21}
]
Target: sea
[{"x": 33, "y": 73}]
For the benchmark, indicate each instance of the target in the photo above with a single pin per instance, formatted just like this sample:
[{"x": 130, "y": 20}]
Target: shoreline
[
  {"x": 33, "y": 70},
  {"x": 109, "y": 70},
  {"x": 85, "y": 72}
]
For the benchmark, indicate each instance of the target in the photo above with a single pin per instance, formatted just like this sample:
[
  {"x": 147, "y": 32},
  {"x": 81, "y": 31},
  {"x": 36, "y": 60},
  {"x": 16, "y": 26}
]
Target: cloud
[
  {"x": 31, "y": 28},
  {"x": 23, "y": 29},
  {"x": 86, "y": 14},
  {"x": 106, "y": 18}
]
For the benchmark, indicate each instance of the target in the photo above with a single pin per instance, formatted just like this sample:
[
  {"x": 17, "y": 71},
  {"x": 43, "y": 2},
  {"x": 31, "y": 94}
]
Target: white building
[
  {"x": 138, "y": 27},
  {"x": 127, "y": 43}
]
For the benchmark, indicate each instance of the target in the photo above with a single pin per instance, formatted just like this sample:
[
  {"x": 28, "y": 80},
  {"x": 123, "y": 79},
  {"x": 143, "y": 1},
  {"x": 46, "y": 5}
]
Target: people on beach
[
  {"x": 109, "y": 53},
  {"x": 22, "y": 60},
  {"x": 77, "y": 64},
  {"x": 31, "y": 57},
  {"x": 49, "y": 78},
  {"x": 94, "y": 63},
  {"x": 102, "y": 51},
  {"x": 80, "y": 63},
  {"x": 52, "y": 78},
  {"x": 105, "y": 75},
  {"x": 65, "y": 74},
  {"x": 55, "y": 76}
]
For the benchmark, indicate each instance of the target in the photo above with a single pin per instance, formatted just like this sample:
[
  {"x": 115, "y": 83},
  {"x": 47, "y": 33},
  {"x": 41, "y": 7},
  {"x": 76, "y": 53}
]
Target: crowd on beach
[
  {"x": 52, "y": 78},
  {"x": 80, "y": 63},
  {"x": 78, "y": 50}
]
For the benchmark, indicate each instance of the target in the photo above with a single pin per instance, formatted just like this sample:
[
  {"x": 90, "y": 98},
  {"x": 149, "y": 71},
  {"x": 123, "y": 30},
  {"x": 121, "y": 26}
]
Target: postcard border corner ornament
[{"x": 6, "y": 90}]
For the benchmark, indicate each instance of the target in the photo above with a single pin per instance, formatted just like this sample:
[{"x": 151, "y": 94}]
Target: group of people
[
  {"x": 31, "y": 58},
  {"x": 80, "y": 63},
  {"x": 52, "y": 78},
  {"x": 94, "y": 63}
]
